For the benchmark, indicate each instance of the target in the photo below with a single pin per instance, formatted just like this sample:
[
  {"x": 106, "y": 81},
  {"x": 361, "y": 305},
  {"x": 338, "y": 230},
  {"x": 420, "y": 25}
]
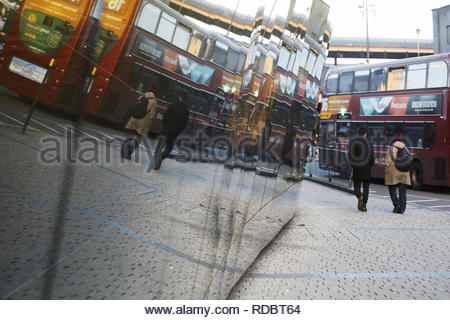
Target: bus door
[{"x": 326, "y": 144}]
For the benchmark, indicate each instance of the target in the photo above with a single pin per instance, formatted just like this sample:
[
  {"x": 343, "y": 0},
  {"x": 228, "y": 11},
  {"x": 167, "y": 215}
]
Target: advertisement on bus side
[
  {"x": 45, "y": 26},
  {"x": 430, "y": 104},
  {"x": 170, "y": 60}
]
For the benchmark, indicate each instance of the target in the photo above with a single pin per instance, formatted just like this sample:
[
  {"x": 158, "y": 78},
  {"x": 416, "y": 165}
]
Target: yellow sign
[
  {"x": 70, "y": 11},
  {"x": 325, "y": 115},
  {"x": 336, "y": 104}
]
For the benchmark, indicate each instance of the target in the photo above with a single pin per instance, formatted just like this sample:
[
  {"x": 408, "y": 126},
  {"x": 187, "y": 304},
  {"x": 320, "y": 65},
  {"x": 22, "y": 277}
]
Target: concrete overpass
[{"x": 379, "y": 48}]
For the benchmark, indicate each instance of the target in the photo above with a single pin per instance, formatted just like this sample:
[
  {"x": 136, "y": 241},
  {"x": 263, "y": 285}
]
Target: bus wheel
[{"x": 416, "y": 176}]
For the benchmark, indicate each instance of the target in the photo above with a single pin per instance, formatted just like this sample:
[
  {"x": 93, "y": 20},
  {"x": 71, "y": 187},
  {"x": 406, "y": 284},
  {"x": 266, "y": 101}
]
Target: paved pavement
[
  {"x": 332, "y": 251},
  {"x": 193, "y": 230}
]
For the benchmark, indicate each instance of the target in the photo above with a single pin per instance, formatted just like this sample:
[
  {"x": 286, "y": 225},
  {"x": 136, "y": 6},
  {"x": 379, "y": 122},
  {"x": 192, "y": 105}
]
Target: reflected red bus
[
  {"x": 40, "y": 40},
  {"x": 164, "y": 48}
]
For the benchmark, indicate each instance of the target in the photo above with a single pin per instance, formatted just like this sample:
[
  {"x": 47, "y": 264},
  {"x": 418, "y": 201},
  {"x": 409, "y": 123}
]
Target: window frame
[
  {"x": 186, "y": 29},
  {"x": 339, "y": 82},
  {"x": 391, "y": 70},
  {"x": 407, "y": 75},
  {"x": 168, "y": 20},
  {"x": 141, "y": 17},
  {"x": 354, "y": 81},
  {"x": 428, "y": 73},
  {"x": 214, "y": 51}
]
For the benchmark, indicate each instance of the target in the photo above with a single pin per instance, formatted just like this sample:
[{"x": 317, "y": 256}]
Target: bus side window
[
  {"x": 141, "y": 79},
  {"x": 416, "y": 76},
  {"x": 283, "y": 60},
  {"x": 437, "y": 74},
  {"x": 393, "y": 131},
  {"x": 166, "y": 27},
  {"x": 343, "y": 130},
  {"x": 396, "y": 78},
  {"x": 378, "y": 79},
  {"x": 182, "y": 36},
  {"x": 197, "y": 45},
  {"x": 177, "y": 89},
  {"x": 414, "y": 135},
  {"x": 361, "y": 81},
  {"x": 165, "y": 88},
  {"x": 220, "y": 53},
  {"x": 232, "y": 60},
  {"x": 376, "y": 133},
  {"x": 331, "y": 83},
  {"x": 240, "y": 66},
  {"x": 345, "y": 82},
  {"x": 429, "y": 135},
  {"x": 149, "y": 17}
]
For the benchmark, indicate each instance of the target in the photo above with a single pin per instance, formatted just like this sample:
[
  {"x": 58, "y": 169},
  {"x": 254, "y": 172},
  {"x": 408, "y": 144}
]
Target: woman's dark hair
[{"x": 362, "y": 131}]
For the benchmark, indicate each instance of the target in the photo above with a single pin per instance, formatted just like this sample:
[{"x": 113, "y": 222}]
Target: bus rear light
[
  {"x": 2, "y": 58},
  {"x": 100, "y": 90}
]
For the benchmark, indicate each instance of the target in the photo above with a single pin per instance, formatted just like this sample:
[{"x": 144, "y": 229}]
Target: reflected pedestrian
[
  {"x": 175, "y": 120},
  {"x": 361, "y": 157},
  {"x": 141, "y": 127},
  {"x": 288, "y": 142},
  {"x": 397, "y": 174}
]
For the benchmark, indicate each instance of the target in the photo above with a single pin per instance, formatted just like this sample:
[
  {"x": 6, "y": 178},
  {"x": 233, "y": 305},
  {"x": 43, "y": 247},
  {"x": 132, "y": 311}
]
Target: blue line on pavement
[
  {"x": 400, "y": 229},
  {"x": 349, "y": 275},
  {"x": 124, "y": 230}
]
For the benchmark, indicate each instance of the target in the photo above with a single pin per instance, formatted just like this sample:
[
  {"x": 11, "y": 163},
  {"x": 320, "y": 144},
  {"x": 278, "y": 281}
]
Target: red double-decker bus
[
  {"x": 166, "y": 49},
  {"x": 280, "y": 89},
  {"x": 40, "y": 44},
  {"x": 407, "y": 99}
]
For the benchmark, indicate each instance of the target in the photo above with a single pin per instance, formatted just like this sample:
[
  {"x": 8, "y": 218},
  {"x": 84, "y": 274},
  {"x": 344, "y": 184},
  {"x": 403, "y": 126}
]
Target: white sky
[{"x": 391, "y": 19}]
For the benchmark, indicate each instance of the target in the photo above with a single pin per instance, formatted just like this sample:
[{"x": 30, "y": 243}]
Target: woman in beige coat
[
  {"x": 141, "y": 127},
  {"x": 395, "y": 178}
]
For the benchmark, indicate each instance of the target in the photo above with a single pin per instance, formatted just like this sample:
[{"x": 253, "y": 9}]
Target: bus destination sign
[{"x": 401, "y": 105}]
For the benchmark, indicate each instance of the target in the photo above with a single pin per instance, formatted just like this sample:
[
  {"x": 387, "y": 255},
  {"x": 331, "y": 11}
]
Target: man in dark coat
[
  {"x": 175, "y": 120},
  {"x": 361, "y": 157}
]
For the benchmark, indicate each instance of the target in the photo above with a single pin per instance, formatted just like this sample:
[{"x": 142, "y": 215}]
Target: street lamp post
[
  {"x": 418, "y": 41},
  {"x": 367, "y": 30}
]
